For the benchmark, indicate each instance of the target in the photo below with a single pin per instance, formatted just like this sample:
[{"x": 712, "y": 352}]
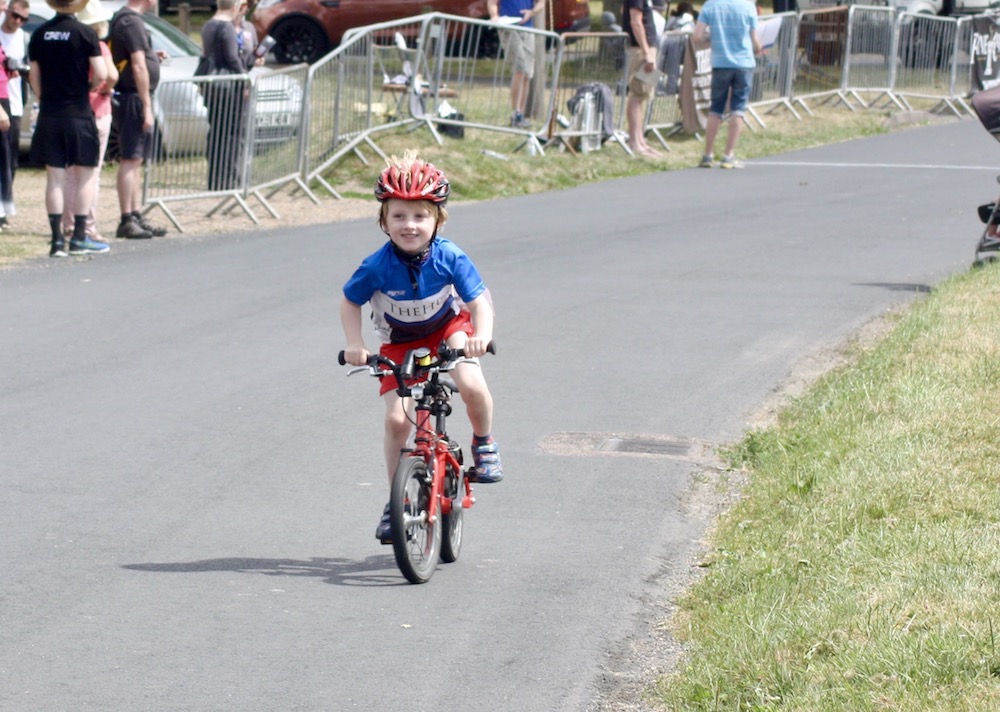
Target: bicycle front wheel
[
  {"x": 451, "y": 523},
  {"x": 416, "y": 541}
]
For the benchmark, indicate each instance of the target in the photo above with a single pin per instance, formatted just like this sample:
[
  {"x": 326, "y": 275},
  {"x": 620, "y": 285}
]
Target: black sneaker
[
  {"x": 58, "y": 249},
  {"x": 383, "y": 532},
  {"x": 149, "y": 227},
  {"x": 131, "y": 230},
  {"x": 86, "y": 246}
]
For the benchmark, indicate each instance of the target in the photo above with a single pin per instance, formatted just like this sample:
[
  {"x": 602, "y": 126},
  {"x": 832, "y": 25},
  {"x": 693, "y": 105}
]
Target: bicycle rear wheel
[
  {"x": 416, "y": 541},
  {"x": 451, "y": 523}
]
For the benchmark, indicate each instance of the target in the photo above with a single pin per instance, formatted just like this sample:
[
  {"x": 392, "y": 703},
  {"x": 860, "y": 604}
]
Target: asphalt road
[{"x": 191, "y": 485}]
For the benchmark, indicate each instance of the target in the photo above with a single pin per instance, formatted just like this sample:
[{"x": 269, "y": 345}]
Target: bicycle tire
[
  {"x": 451, "y": 524},
  {"x": 416, "y": 542}
]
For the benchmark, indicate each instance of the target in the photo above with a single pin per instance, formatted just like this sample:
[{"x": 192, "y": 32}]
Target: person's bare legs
[
  {"x": 734, "y": 127},
  {"x": 129, "y": 183},
  {"x": 55, "y": 181},
  {"x": 634, "y": 110},
  {"x": 397, "y": 430},
  {"x": 519, "y": 92},
  {"x": 711, "y": 131}
]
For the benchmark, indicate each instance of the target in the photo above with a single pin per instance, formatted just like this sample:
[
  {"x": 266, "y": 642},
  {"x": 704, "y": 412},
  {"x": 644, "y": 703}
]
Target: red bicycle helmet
[{"x": 413, "y": 179}]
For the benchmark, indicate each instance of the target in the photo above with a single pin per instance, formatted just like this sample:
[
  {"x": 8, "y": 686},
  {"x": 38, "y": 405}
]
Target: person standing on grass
[
  {"x": 139, "y": 73},
  {"x": 15, "y": 44},
  {"x": 97, "y": 17},
  {"x": 63, "y": 51},
  {"x": 637, "y": 17},
  {"x": 519, "y": 49},
  {"x": 732, "y": 26}
]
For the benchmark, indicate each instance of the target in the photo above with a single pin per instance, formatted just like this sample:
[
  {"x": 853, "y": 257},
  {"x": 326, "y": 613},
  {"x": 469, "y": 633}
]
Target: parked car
[
  {"x": 305, "y": 30},
  {"x": 181, "y": 116}
]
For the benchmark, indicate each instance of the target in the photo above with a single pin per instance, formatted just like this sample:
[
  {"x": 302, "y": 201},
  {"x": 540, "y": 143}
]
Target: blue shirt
[
  {"x": 730, "y": 22},
  {"x": 513, "y": 8},
  {"x": 444, "y": 283}
]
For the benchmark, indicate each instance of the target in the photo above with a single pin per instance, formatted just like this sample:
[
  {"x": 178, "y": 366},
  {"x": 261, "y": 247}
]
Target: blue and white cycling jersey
[{"x": 444, "y": 283}]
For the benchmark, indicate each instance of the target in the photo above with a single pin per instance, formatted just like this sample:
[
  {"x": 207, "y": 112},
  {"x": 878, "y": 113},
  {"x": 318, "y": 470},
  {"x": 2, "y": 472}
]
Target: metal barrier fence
[
  {"x": 470, "y": 77},
  {"x": 364, "y": 86},
  {"x": 590, "y": 91},
  {"x": 869, "y": 59},
  {"x": 820, "y": 49},
  {"x": 229, "y": 137},
  {"x": 200, "y": 147},
  {"x": 928, "y": 57},
  {"x": 226, "y": 137},
  {"x": 772, "y": 80},
  {"x": 278, "y": 98},
  {"x": 663, "y": 114}
]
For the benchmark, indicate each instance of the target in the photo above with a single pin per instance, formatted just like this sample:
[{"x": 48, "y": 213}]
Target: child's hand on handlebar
[
  {"x": 356, "y": 355},
  {"x": 476, "y": 346}
]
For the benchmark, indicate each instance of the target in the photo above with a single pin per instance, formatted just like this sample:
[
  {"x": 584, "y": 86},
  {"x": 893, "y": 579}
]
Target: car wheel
[{"x": 299, "y": 39}]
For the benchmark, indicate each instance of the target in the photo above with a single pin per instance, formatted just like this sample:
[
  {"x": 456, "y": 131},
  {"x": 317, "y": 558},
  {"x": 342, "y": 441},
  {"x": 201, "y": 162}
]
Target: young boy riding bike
[{"x": 423, "y": 291}]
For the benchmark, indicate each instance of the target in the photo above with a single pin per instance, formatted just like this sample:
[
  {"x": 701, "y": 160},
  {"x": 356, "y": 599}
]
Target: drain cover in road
[{"x": 676, "y": 448}]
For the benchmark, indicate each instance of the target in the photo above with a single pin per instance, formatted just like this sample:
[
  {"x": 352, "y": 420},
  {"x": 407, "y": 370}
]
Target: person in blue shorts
[
  {"x": 423, "y": 291},
  {"x": 732, "y": 26}
]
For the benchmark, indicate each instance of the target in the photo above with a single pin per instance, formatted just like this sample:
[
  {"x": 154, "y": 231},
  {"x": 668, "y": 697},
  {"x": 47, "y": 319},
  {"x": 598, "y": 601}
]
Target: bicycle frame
[
  {"x": 429, "y": 489},
  {"x": 433, "y": 446}
]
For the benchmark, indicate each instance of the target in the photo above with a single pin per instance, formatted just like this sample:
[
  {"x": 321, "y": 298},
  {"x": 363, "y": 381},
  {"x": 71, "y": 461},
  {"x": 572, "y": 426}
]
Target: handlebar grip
[{"x": 341, "y": 360}]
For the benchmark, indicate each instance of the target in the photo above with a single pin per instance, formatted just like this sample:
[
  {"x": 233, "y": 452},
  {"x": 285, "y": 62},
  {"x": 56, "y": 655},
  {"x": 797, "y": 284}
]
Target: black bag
[
  {"x": 205, "y": 67},
  {"x": 451, "y": 129}
]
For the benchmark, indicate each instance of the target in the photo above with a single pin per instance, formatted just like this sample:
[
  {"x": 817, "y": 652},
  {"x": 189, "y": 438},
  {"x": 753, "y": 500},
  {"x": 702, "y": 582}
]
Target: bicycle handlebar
[{"x": 445, "y": 353}]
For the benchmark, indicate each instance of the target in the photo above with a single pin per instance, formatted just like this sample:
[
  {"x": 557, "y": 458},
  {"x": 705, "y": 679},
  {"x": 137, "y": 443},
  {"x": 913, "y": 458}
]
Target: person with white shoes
[{"x": 15, "y": 46}]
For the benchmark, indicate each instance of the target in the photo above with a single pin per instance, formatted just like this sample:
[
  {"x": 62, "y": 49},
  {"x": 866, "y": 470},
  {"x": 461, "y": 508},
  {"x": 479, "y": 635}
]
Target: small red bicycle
[{"x": 430, "y": 490}]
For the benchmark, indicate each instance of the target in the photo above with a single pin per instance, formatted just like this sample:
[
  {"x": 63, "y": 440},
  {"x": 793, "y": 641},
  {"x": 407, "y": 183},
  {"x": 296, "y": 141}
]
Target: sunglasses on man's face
[{"x": 14, "y": 15}]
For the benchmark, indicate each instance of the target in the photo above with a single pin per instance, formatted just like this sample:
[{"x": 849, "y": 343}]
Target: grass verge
[
  {"x": 859, "y": 570},
  {"x": 475, "y": 176}
]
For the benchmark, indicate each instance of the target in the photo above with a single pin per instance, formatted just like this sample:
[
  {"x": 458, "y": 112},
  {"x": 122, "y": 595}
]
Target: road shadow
[
  {"x": 898, "y": 286},
  {"x": 371, "y": 571}
]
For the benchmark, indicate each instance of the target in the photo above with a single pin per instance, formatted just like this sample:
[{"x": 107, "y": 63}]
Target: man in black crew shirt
[
  {"x": 62, "y": 53},
  {"x": 138, "y": 74}
]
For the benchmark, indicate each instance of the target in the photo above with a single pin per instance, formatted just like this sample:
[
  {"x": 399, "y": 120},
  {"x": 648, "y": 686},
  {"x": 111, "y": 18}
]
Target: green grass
[
  {"x": 475, "y": 176},
  {"x": 859, "y": 570}
]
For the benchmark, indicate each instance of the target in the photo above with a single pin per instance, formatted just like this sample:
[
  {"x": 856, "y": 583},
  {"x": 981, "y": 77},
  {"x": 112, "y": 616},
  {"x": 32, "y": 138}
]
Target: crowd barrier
[
  {"x": 236, "y": 137},
  {"x": 663, "y": 114},
  {"x": 470, "y": 78},
  {"x": 589, "y": 93},
  {"x": 370, "y": 83},
  {"x": 226, "y": 137},
  {"x": 772, "y": 81}
]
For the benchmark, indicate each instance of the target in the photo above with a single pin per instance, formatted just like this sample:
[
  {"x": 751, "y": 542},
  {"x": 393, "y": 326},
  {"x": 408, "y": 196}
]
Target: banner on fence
[
  {"x": 696, "y": 87},
  {"x": 985, "y": 52}
]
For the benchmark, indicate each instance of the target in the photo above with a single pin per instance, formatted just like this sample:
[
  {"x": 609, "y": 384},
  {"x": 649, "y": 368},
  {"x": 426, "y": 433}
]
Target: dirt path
[{"x": 27, "y": 234}]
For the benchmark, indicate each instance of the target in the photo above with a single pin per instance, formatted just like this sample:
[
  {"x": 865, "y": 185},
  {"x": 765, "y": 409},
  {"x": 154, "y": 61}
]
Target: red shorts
[{"x": 397, "y": 352}]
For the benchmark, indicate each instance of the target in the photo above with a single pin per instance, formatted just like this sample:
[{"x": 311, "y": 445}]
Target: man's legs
[
  {"x": 635, "y": 106},
  {"x": 55, "y": 180},
  {"x": 129, "y": 183},
  {"x": 711, "y": 131},
  {"x": 733, "y": 133},
  {"x": 519, "y": 92}
]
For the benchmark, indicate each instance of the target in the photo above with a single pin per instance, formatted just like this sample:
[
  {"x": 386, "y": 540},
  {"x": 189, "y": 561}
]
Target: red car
[{"x": 305, "y": 30}]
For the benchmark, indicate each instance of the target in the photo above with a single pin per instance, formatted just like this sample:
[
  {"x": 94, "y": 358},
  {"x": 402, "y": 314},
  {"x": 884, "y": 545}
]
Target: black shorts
[
  {"x": 61, "y": 142},
  {"x": 133, "y": 142}
]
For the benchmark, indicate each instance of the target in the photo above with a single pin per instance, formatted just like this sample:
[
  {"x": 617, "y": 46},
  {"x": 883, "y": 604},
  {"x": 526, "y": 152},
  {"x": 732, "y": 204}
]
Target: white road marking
[{"x": 818, "y": 164}]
